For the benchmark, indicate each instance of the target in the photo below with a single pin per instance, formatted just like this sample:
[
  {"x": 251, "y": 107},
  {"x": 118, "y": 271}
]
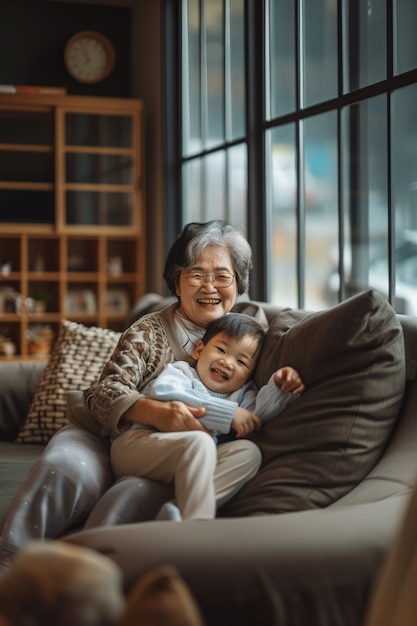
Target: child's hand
[
  {"x": 244, "y": 422},
  {"x": 289, "y": 380}
]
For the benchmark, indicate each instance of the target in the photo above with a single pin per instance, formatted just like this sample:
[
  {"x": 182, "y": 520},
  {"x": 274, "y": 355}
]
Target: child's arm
[
  {"x": 176, "y": 383},
  {"x": 284, "y": 386},
  {"x": 289, "y": 380}
]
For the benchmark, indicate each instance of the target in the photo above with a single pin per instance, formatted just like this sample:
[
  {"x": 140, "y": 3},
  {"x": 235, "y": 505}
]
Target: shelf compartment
[
  {"x": 22, "y": 166},
  {"x": 10, "y": 298},
  {"x": 99, "y": 208},
  {"x": 81, "y": 299},
  {"x": 40, "y": 338},
  {"x": 26, "y": 127},
  {"x": 121, "y": 252},
  {"x": 43, "y": 254},
  {"x": 82, "y": 255},
  {"x": 10, "y": 253},
  {"x": 33, "y": 205},
  {"x": 107, "y": 169},
  {"x": 89, "y": 129},
  {"x": 45, "y": 295},
  {"x": 11, "y": 331}
]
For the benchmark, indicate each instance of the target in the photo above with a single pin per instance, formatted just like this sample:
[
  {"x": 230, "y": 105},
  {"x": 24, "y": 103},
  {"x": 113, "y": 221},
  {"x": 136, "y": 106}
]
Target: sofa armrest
[{"x": 18, "y": 383}]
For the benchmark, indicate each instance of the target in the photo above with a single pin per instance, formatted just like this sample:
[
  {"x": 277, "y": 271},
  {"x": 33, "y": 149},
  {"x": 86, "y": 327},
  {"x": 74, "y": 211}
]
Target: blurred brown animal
[{"x": 54, "y": 583}]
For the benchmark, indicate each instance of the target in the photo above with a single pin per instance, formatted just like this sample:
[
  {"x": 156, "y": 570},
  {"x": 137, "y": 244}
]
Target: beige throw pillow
[{"x": 77, "y": 359}]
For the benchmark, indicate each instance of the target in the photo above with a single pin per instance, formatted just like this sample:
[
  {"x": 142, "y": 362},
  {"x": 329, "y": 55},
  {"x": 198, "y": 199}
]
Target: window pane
[
  {"x": 321, "y": 202},
  {"x": 238, "y": 186},
  {"x": 236, "y": 77},
  {"x": 109, "y": 169},
  {"x": 104, "y": 209},
  {"x": 365, "y": 200},
  {"x": 282, "y": 191},
  {"x": 204, "y": 188},
  {"x": 366, "y": 27},
  {"x": 281, "y": 57},
  {"x": 405, "y": 55},
  {"x": 405, "y": 198},
  {"x": 215, "y": 187},
  {"x": 213, "y": 72},
  {"x": 114, "y": 131},
  {"x": 191, "y": 85},
  {"x": 192, "y": 200},
  {"x": 319, "y": 51}
]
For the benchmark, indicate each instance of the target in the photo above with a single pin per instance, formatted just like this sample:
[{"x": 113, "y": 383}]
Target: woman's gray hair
[{"x": 195, "y": 238}]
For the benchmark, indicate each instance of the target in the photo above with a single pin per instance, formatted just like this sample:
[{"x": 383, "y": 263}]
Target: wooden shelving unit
[{"x": 72, "y": 235}]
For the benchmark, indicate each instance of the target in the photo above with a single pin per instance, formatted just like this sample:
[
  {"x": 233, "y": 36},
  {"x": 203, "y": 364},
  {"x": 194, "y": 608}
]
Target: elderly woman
[{"x": 206, "y": 268}]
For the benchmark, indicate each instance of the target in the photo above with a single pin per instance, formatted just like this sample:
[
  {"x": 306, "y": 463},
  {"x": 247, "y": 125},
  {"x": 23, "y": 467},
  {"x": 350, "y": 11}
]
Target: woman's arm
[
  {"x": 170, "y": 416},
  {"x": 178, "y": 384},
  {"x": 141, "y": 353}
]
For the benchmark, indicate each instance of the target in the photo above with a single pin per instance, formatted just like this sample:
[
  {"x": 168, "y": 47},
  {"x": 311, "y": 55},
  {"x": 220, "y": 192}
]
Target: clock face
[{"x": 89, "y": 57}]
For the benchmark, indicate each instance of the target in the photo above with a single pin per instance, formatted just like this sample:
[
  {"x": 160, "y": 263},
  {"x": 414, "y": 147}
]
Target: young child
[{"x": 221, "y": 382}]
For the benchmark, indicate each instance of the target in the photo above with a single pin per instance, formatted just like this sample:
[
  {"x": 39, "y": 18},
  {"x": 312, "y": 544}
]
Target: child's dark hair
[{"x": 235, "y": 326}]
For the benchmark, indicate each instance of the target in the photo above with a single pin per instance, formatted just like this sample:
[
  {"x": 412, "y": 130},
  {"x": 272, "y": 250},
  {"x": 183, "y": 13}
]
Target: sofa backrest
[
  {"x": 18, "y": 383},
  {"x": 396, "y": 472}
]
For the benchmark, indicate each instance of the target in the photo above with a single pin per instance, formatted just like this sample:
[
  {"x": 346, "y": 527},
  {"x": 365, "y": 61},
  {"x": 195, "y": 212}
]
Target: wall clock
[{"x": 89, "y": 56}]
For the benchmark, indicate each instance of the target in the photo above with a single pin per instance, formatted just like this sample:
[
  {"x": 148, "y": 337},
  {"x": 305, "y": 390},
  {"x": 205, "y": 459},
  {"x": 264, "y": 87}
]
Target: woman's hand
[
  {"x": 171, "y": 416},
  {"x": 244, "y": 422},
  {"x": 289, "y": 380}
]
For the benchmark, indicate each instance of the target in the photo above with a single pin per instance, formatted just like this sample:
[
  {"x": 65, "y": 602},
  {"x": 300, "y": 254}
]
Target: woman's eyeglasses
[{"x": 221, "y": 280}]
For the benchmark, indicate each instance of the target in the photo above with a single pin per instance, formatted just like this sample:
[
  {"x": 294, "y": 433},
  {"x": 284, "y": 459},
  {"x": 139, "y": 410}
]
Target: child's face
[{"x": 225, "y": 364}]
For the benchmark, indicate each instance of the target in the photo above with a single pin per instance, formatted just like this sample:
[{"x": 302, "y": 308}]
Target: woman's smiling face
[{"x": 205, "y": 303}]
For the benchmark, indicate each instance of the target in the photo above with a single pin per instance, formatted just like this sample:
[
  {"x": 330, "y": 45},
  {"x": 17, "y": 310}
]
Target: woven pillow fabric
[
  {"x": 77, "y": 358},
  {"x": 351, "y": 358}
]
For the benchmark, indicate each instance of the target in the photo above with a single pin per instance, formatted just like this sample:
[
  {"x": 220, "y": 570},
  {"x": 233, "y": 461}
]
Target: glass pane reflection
[
  {"x": 405, "y": 40},
  {"x": 366, "y": 28},
  {"x": 321, "y": 204},
  {"x": 101, "y": 209},
  {"x": 238, "y": 186},
  {"x": 282, "y": 191},
  {"x": 281, "y": 57},
  {"x": 213, "y": 72},
  {"x": 405, "y": 199},
  {"x": 192, "y": 181},
  {"x": 319, "y": 51}
]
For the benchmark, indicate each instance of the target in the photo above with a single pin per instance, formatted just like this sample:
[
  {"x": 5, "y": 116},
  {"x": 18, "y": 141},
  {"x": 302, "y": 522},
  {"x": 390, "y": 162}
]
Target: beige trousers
[{"x": 205, "y": 476}]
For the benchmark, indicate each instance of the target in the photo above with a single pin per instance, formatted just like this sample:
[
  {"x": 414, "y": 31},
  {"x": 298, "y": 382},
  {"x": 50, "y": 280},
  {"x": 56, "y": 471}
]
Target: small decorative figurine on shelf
[
  {"x": 39, "y": 264},
  {"x": 115, "y": 266},
  {"x": 40, "y": 338},
  {"x": 7, "y": 346},
  {"x": 5, "y": 267}
]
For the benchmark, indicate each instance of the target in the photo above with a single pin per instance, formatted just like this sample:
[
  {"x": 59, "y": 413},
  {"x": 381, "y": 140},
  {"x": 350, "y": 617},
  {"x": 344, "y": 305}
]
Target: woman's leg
[
  {"x": 237, "y": 462},
  {"x": 131, "y": 499},
  {"x": 187, "y": 459},
  {"x": 59, "y": 491}
]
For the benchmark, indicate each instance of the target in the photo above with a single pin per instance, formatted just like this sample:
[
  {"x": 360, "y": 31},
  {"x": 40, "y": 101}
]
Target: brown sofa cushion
[{"x": 351, "y": 358}]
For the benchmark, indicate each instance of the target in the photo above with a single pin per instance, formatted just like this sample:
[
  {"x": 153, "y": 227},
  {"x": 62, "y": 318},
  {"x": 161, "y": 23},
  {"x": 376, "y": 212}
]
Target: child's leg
[
  {"x": 187, "y": 459},
  {"x": 237, "y": 462}
]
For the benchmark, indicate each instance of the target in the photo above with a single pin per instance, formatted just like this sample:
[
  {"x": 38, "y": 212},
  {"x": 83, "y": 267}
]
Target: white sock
[{"x": 169, "y": 511}]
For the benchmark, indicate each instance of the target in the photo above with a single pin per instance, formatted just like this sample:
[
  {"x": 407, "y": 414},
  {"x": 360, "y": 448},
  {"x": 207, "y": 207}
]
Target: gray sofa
[
  {"x": 303, "y": 542},
  {"x": 18, "y": 383}
]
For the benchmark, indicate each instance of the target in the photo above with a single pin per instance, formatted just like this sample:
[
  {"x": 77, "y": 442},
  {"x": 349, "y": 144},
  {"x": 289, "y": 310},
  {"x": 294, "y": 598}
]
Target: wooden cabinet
[{"x": 72, "y": 237}]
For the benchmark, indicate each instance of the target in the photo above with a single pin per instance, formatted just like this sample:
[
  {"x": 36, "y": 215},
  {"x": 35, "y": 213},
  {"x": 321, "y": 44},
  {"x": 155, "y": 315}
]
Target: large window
[
  {"x": 298, "y": 126},
  {"x": 214, "y": 147}
]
